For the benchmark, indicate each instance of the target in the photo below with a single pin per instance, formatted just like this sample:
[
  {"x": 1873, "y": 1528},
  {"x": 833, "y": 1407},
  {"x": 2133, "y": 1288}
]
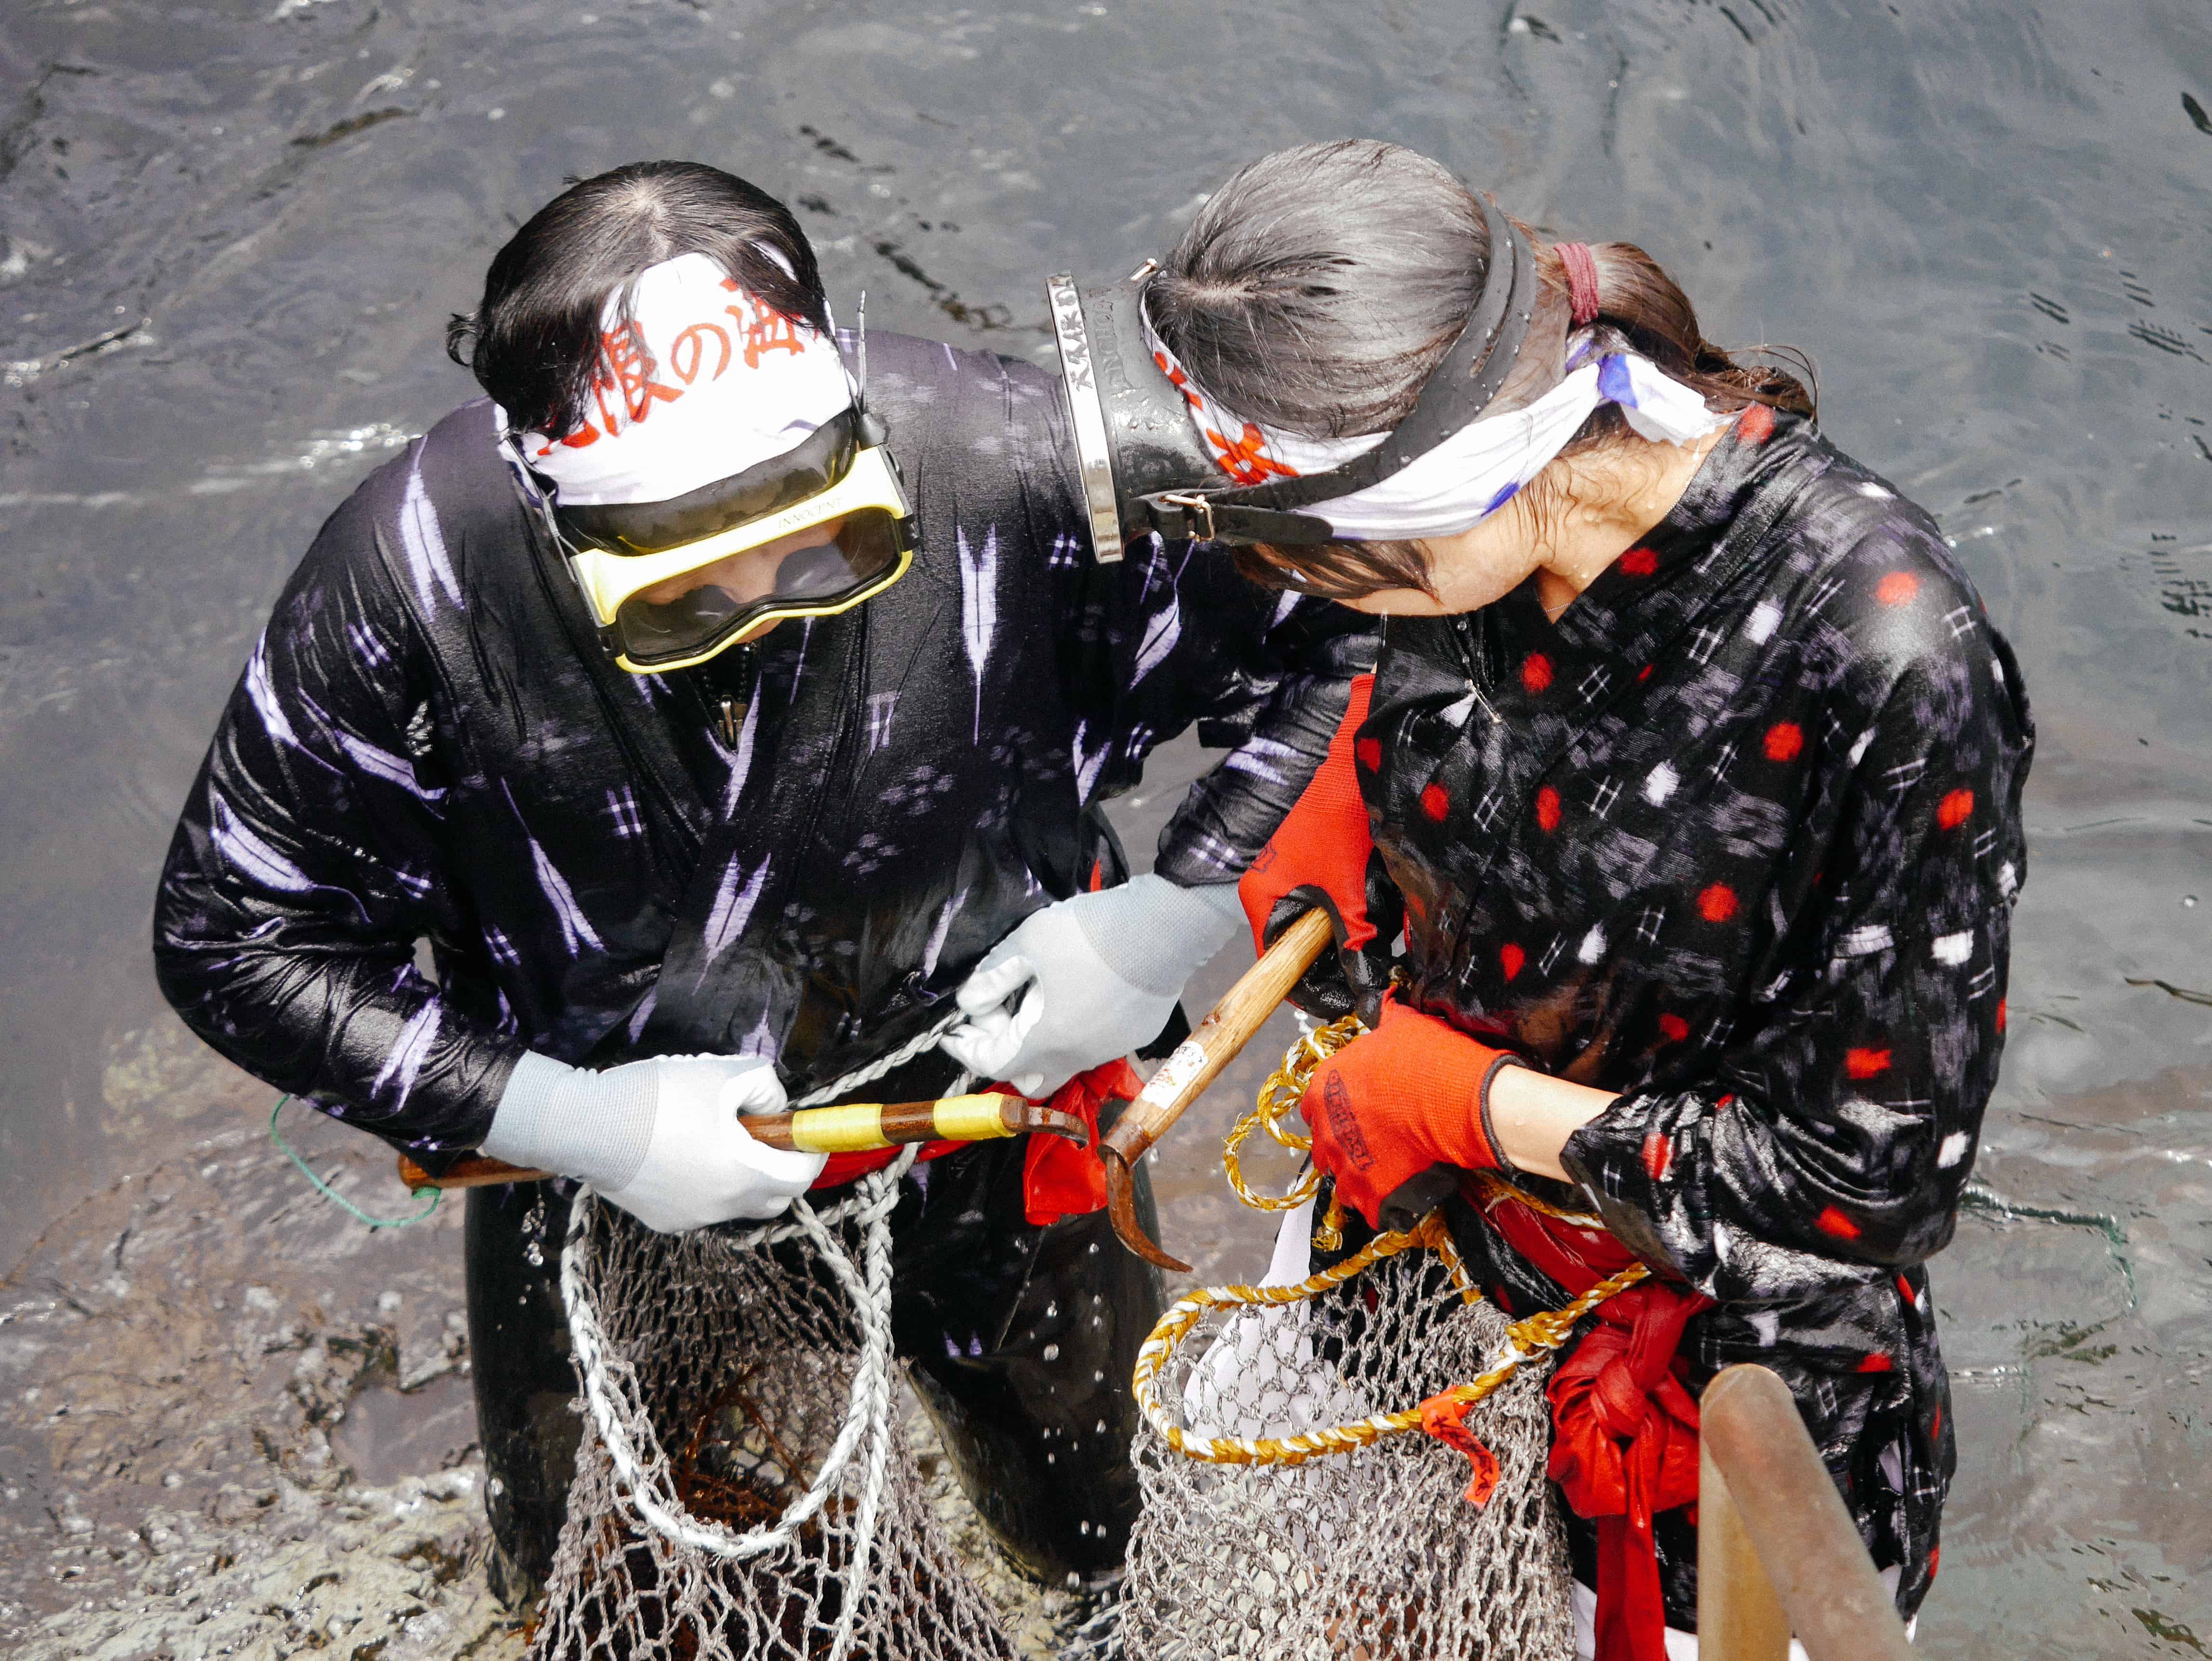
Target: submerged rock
[
  {"x": 394, "y": 1573},
  {"x": 234, "y": 1422}
]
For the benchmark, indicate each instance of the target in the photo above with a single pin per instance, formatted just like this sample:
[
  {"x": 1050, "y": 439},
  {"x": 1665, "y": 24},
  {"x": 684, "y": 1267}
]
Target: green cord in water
[
  {"x": 1978, "y": 1195},
  {"x": 332, "y": 1195}
]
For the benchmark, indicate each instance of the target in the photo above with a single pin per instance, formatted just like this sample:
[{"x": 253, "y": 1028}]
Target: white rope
[
  {"x": 872, "y": 1398},
  {"x": 890, "y": 1062},
  {"x": 867, "y": 1286}
]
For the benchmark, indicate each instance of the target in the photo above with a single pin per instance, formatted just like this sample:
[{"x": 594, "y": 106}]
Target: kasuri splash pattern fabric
[
  {"x": 1471, "y": 475},
  {"x": 1739, "y": 838},
  {"x": 429, "y": 743}
]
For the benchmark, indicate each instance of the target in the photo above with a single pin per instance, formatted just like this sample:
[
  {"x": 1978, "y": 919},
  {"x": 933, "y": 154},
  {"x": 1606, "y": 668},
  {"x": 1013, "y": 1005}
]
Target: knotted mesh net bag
[
  {"x": 746, "y": 1490},
  {"x": 746, "y": 1487},
  {"x": 1292, "y": 1506}
]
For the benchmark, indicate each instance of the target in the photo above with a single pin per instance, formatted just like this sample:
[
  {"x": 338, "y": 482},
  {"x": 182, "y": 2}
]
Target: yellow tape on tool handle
[
  {"x": 848, "y": 1127},
  {"x": 862, "y": 1127}
]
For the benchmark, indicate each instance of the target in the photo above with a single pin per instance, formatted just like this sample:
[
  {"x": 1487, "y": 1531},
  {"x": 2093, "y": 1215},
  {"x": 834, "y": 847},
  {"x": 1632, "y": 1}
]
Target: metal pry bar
[
  {"x": 849, "y": 1127},
  {"x": 1183, "y": 1077}
]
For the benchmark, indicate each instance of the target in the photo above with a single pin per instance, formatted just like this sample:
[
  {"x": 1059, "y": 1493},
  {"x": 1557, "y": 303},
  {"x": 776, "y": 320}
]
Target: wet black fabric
[
  {"x": 428, "y": 743},
  {"x": 1020, "y": 1341},
  {"x": 1739, "y": 838},
  {"x": 524, "y": 1373}
]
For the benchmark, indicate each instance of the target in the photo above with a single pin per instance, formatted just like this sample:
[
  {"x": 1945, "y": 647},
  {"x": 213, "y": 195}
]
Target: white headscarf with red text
[{"x": 705, "y": 381}]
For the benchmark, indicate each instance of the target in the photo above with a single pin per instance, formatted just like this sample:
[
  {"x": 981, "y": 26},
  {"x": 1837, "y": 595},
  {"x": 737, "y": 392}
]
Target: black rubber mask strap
[{"x": 1458, "y": 390}]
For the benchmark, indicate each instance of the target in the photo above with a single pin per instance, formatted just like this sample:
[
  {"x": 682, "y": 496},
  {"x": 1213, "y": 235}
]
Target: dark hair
[
  {"x": 534, "y": 342},
  {"x": 1316, "y": 289}
]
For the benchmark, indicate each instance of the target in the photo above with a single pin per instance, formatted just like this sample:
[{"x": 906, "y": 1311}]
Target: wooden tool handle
[
  {"x": 850, "y": 1126},
  {"x": 1243, "y": 1011},
  {"x": 862, "y": 1127},
  {"x": 474, "y": 1171}
]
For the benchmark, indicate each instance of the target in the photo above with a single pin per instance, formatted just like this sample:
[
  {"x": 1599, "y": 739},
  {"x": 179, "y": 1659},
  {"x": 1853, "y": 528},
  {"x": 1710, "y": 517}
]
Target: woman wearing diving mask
[
  {"x": 1690, "y": 773},
  {"x": 720, "y": 719}
]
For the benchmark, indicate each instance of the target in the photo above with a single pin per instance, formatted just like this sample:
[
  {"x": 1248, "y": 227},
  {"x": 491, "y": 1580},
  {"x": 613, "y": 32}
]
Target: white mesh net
[
  {"x": 746, "y": 1490},
  {"x": 1367, "y": 1555}
]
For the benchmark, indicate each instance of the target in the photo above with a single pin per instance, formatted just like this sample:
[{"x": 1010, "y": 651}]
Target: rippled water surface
[{"x": 230, "y": 234}]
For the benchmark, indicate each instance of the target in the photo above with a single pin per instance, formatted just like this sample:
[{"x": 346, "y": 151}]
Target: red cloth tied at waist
[
  {"x": 1624, "y": 1424},
  {"x": 1059, "y": 1179}
]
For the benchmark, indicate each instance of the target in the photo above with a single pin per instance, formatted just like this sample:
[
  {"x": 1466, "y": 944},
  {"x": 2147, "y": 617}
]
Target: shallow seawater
[{"x": 231, "y": 232}]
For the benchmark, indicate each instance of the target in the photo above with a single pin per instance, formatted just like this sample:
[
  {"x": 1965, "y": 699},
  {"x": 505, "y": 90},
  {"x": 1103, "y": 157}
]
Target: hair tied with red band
[{"x": 1582, "y": 280}]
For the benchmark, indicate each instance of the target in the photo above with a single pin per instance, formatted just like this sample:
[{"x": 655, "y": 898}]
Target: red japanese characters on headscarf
[{"x": 697, "y": 379}]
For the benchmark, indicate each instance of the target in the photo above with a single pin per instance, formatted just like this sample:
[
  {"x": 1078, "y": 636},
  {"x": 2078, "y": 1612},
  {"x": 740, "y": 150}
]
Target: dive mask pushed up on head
[
  {"x": 811, "y": 532},
  {"x": 1146, "y": 463},
  {"x": 724, "y": 473}
]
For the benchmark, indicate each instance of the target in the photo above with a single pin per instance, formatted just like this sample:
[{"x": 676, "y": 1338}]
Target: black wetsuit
[
  {"x": 429, "y": 743},
  {"x": 1739, "y": 838}
]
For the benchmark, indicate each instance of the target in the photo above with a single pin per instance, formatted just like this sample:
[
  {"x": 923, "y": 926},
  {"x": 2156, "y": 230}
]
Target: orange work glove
[
  {"x": 1319, "y": 853},
  {"x": 1413, "y": 1094}
]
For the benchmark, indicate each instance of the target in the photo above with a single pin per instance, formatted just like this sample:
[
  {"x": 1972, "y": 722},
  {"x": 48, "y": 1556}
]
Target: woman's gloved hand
[
  {"x": 1086, "y": 980},
  {"x": 1318, "y": 855},
  {"x": 1412, "y": 1093},
  {"x": 661, "y": 1137},
  {"x": 1323, "y": 853}
]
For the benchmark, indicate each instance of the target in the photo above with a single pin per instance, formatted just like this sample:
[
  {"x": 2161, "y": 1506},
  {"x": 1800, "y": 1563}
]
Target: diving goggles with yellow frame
[{"x": 808, "y": 534}]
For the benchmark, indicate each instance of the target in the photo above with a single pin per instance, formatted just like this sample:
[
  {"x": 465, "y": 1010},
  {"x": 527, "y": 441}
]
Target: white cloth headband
[
  {"x": 1472, "y": 474},
  {"x": 705, "y": 382}
]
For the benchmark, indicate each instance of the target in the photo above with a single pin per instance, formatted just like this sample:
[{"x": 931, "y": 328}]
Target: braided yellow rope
[
  {"x": 1496, "y": 1189},
  {"x": 1278, "y": 1105},
  {"x": 1538, "y": 1335}
]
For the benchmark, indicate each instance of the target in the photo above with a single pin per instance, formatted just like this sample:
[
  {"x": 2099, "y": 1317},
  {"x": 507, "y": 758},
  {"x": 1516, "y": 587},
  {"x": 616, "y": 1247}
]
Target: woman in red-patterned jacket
[{"x": 1692, "y": 769}]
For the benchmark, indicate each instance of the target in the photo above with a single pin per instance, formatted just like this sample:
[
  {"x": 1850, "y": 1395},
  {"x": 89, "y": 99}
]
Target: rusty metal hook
[{"x": 1183, "y": 1077}]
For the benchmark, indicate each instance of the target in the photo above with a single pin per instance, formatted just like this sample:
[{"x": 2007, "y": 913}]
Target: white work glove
[
  {"x": 660, "y": 1137},
  {"x": 1087, "y": 980}
]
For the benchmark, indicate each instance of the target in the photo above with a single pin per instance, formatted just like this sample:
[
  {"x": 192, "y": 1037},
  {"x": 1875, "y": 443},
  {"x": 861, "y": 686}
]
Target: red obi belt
[{"x": 1625, "y": 1424}]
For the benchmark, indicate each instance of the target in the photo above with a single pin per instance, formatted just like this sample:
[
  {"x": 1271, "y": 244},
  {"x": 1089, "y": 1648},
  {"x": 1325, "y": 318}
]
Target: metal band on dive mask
[{"x": 1094, "y": 462}]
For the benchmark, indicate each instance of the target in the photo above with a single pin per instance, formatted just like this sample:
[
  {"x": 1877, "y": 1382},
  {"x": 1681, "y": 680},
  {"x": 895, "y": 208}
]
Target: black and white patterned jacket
[{"x": 428, "y": 743}]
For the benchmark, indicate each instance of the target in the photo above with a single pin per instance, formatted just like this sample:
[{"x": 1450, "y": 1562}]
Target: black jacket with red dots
[{"x": 1739, "y": 838}]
